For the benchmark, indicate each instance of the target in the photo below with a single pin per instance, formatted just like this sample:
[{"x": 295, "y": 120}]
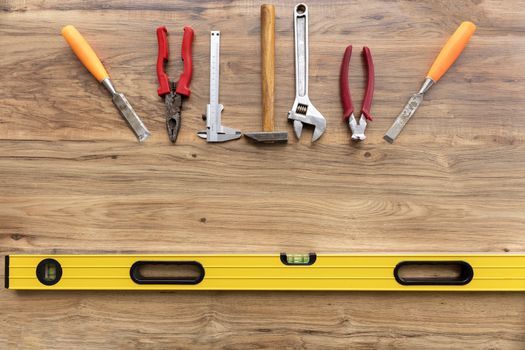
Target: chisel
[
  {"x": 448, "y": 55},
  {"x": 90, "y": 60}
]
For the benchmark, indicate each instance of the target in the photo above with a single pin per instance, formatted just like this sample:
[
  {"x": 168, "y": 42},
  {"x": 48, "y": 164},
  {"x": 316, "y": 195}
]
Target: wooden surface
[{"x": 73, "y": 179}]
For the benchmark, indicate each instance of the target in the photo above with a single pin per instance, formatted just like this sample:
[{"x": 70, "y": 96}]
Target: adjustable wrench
[
  {"x": 215, "y": 131},
  {"x": 303, "y": 111}
]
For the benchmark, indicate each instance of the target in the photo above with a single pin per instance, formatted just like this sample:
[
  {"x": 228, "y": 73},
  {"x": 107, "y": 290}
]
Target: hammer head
[{"x": 268, "y": 136}]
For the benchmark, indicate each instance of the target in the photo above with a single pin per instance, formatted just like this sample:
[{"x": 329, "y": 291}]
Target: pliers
[
  {"x": 358, "y": 128},
  {"x": 173, "y": 92}
]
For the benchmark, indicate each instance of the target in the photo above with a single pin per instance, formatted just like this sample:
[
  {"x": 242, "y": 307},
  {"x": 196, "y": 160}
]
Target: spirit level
[{"x": 330, "y": 272}]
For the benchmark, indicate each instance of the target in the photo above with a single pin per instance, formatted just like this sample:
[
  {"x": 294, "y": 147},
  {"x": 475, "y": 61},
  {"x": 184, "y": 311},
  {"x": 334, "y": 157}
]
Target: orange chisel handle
[
  {"x": 451, "y": 51},
  {"x": 84, "y": 52}
]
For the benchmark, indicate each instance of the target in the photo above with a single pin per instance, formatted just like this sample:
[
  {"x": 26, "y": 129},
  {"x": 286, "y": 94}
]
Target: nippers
[
  {"x": 173, "y": 92},
  {"x": 358, "y": 128}
]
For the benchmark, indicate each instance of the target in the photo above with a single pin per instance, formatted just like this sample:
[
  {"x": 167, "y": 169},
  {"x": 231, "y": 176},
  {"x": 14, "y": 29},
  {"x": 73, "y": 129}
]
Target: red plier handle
[
  {"x": 183, "y": 85},
  {"x": 346, "y": 98}
]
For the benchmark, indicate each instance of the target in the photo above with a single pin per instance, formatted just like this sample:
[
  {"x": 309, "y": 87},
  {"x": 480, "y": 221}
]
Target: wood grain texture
[
  {"x": 73, "y": 179},
  {"x": 268, "y": 66}
]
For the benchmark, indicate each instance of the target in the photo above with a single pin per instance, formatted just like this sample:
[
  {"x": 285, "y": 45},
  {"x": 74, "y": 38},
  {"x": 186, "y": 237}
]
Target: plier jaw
[
  {"x": 358, "y": 127},
  {"x": 173, "y": 102},
  {"x": 172, "y": 92}
]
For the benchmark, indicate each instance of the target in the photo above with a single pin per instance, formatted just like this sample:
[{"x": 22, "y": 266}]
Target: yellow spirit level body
[{"x": 322, "y": 272}]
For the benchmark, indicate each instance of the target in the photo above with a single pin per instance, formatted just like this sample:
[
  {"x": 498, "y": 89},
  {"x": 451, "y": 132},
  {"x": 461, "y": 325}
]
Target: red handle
[
  {"x": 369, "y": 94},
  {"x": 162, "y": 58},
  {"x": 344, "y": 89},
  {"x": 183, "y": 85}
]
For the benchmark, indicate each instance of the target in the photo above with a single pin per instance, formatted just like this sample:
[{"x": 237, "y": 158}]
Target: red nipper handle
[
  {"x": 162, "y": 58},
  {"x": 344, "y": 89},
  {"x": 183, "y": 85},
  {"x": 369, "y": 94}
]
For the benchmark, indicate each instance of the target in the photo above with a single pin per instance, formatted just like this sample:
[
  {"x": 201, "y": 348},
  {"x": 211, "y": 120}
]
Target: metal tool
[
  {"x": 268, "y": 135},
  {"x": 174, "y": 92},
  {"x": 401, "y": 272},
  {"x": 215, "y": 131},
  {"x": 89, "y": 58},
  {"x": 303, "y": 111},
  {"x": 448, "y": 55},
  {"x": 358, "y": 128}
]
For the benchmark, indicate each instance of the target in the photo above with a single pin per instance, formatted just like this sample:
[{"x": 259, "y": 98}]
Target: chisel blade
[
  {"x": 403, "y": 117},
  {"x": 129, "y": 114}
]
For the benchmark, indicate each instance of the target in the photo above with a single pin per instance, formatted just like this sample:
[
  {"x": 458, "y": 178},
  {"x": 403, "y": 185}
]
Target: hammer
[{"x": 268, "y": 135}]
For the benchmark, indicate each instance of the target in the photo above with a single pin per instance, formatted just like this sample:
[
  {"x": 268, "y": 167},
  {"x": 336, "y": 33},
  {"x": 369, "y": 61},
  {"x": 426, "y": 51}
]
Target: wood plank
[{"x": 74, "y": 180}]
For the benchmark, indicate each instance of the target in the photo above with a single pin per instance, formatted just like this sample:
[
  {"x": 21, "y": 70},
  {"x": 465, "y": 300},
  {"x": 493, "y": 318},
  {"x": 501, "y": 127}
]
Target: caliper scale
[{"x": 215, "y": 131}]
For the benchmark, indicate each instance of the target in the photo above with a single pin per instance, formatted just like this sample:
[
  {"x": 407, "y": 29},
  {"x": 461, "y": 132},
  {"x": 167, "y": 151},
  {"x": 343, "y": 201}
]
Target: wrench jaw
[
  {"x": 358, "y": 129},
  {"x": 297, "y": 128},
  {"x": 319, "y": 130},
  {"x": 304, "y": 112}
]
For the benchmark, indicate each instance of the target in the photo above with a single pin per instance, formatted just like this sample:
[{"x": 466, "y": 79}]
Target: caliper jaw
[{"x": 215, "y": 132}]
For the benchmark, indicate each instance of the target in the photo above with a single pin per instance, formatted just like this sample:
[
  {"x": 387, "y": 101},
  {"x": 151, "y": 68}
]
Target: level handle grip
[
  {"x": 451, "y": 51},
  {"x": 268, "y": 65},
  {"x": 84, "y": 52}
]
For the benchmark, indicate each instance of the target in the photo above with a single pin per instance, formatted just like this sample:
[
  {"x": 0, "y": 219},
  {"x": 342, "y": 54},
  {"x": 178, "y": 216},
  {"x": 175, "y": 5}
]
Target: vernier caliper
[{"x": 215, "y": 132}]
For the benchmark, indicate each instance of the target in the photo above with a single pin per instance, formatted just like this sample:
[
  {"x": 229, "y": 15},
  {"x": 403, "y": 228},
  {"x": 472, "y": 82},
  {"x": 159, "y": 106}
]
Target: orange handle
[
  {"x": 84, "y": 52},
  {"x": 451, "y": 51}
]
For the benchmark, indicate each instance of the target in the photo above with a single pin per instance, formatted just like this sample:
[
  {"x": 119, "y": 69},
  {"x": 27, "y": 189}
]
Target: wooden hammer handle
[{"x": 268, "y": 65}]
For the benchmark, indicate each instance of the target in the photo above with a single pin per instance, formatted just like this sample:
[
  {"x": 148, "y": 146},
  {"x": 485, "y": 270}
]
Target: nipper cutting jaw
[{"x": 358, "y": 128}]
